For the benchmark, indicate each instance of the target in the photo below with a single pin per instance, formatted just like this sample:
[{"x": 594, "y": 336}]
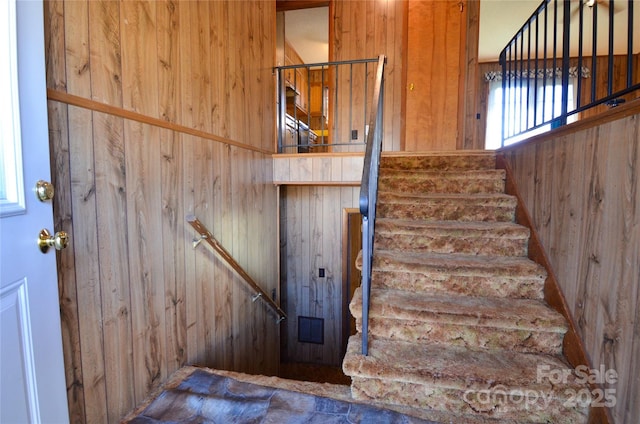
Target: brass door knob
[
  {"x": 58, "y": 241},
  {"x": 44, "y": 190}
]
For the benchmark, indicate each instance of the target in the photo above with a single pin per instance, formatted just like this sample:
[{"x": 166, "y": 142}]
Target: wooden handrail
[
  {"x": 83, "y": 102},
  {"x": 205, "y": 235}
]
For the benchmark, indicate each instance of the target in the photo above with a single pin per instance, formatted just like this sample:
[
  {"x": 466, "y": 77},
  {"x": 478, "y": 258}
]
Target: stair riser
[
  {"x": 499, "y": 404},
  {"x": 440, "y": 163},
  {"x": 465, "y": 336},
  {"x": 460, "y": 285},
  {"x": 441, "y": 243},
  {"x": 446, "y": 211},
  {"x": 421, "y": 184}
]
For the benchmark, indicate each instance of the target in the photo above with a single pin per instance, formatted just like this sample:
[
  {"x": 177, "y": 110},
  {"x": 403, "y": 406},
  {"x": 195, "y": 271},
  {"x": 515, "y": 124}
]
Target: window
[
  {"x": 519, "y": 117},
  {"x": 11, "y": 179}
]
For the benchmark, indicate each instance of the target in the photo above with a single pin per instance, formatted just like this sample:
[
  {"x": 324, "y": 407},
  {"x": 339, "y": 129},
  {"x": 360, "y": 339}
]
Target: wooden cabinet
[
  {"x": 319, "y": 98},
  {"x": 297, "y": 82}
]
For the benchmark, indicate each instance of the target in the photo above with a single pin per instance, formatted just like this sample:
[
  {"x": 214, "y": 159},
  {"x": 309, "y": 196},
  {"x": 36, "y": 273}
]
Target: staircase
[{"x": 457, "y": 322}]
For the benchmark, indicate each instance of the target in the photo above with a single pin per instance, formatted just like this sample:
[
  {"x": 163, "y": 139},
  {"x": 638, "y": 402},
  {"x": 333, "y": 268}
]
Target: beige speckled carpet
[{"x": 458, "y": 325}]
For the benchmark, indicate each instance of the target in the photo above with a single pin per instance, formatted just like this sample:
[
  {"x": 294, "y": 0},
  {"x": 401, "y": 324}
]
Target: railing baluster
[
  {"x": 535, "y": 81},
  {"x": 350, "y": 126},
  {"x": 544, "y": 75},
  {"x": 594, "y": 52},
  {"x": 580, "y": 39},
  {"x": 559, "y": 104},
  {"x": 566, "y": 32},
  {"x": 630, "y": 43},
  {"x": 610, "y": 51}
]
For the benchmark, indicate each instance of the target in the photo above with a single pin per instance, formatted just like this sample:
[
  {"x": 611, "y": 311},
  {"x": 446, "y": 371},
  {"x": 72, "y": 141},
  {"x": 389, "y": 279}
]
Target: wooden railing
[{"x": 206, "y": 236}]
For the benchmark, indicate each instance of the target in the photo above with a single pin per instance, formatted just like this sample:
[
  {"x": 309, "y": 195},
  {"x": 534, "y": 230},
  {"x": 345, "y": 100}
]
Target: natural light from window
[{"x": 548, "y": 104}]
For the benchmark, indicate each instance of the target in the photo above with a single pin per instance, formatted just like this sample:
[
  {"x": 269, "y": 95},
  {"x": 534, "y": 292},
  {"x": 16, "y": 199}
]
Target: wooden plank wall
[
  {"x": 365, "y": 29},
  {"x": 318, "y": 169},
  {"x": 137, "y": 301},
  {"x": 435, "y": 39},
  {"x": 582, "y": 190},
  {"x": 311, "y": 238}
]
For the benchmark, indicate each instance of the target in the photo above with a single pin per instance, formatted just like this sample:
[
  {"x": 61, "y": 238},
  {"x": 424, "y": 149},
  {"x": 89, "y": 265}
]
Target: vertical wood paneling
[
  {"x": 82, "y": 187},
  {"x": 168, "y": 18},
  {"x": 469, "y": 108},
  {"x": 137, "y": 300},
  {"x": 586, "y": 207},
  {"x": 311, "y": 238},
  {"x": 142, "y": 167},
  {"x": 435, "y": 34},
  {"x": 63, "y": 213},
  {"x": 364, "y": 29}
]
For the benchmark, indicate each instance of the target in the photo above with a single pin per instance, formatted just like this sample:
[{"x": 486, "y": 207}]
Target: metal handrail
[
  {"x": 205, "y": 235},
  {"x": 344, "y": 106},
  {"x": 369, "y": 195},
  {"x": 544, "y": 50}
]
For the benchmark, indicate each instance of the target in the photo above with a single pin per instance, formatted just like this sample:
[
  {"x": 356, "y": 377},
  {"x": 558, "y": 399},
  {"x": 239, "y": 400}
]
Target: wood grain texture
[
  {"x": 318, "y": 169},
  {"x": 365, "y": 29},
  {"x": 573, "y": 347},
  {"x": 311, "y": 238},
  {"x": 162, "y": 86},
  {"x": 436, "y": 35},
  {"x": 582, "y": 191},
  {"x": 468, "y": 138},
  {"x": 63, "y": 212}
]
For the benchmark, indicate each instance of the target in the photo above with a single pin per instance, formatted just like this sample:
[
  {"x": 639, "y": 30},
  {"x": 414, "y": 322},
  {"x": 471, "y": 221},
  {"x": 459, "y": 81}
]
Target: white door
[{"x": 32, "y": 381}]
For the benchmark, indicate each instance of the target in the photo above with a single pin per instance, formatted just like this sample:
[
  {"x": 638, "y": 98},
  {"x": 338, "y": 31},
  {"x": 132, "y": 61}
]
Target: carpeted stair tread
[
  {"x": 470, "y": 182},
  {"x": 489, "y": 198},
  {"x": 457, "y": 321},
  {"x": 454, "y": 367},
  {"x": 491, "y": 383},
  {"x": 440, "y": 207},
  {"x": 469, "y": 237},
  {"x": 455, "y": 274},
  {"x": 441, "y": 161},
  {"x": 410, "y": 226},
  {"x": 517, "y": 314},
  {"x": 523, "y": 325}
]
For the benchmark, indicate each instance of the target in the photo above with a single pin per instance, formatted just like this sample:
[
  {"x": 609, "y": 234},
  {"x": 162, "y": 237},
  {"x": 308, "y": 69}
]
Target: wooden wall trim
[
  {"x": 573, "y": 347},
  {"x": 82, "y": 102},
  {"x": 284, "y": 5}
]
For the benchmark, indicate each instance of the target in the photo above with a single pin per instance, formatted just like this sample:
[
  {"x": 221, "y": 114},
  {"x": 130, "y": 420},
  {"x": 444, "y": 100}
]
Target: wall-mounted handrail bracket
[
  {"x": 196, "y": 241},
  {"x": 205, "y": 235}
]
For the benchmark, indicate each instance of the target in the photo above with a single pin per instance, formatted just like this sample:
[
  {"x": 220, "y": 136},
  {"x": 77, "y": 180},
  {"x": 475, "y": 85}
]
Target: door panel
[{"x": 32, "y": 384}]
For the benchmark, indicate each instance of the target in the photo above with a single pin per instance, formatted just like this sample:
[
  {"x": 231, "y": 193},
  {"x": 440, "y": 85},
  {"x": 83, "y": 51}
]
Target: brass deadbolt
[{"x": 44, "y": 190}]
